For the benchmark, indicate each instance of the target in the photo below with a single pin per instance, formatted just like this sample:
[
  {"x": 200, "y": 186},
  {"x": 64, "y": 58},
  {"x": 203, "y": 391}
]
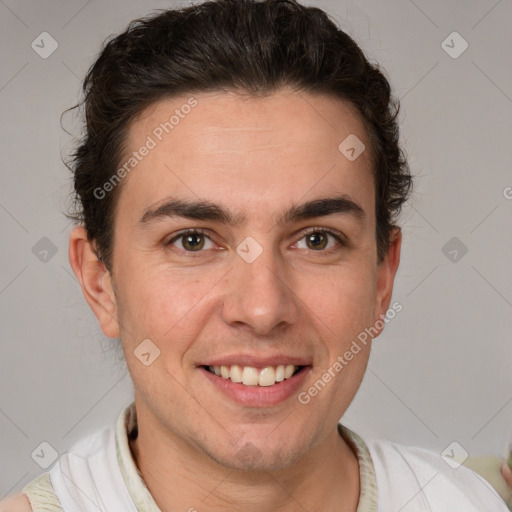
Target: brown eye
[
  {"x": 194, "y": 242},
  {"x": 318, "y": 239},
  {"x": 191, "y": 241}
]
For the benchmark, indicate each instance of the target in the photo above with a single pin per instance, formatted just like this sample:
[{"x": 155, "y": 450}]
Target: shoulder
[
  {"x": 16, "y": 503},
  {"x": 415, "y": 478},
  {"x": 40, "y": 492}
]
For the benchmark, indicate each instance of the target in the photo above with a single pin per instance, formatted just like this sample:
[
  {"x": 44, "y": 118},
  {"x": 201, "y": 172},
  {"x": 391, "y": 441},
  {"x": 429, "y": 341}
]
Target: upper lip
[{"x": 256, "y": 361}]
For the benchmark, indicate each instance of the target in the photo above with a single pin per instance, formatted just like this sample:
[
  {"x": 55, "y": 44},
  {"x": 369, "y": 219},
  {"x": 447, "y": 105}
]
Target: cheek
[
  {"x": 342, "y": 300},
  {"x": 343, "y": 311},
  {"x": 165, "y": 310},
  {"x": 159, "y": 302}
]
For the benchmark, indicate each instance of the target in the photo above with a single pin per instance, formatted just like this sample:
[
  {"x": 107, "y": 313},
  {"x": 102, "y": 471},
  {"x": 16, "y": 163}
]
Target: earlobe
[
  {"x": 386, "y": 273},
  {"x": 95, "y": 281}
]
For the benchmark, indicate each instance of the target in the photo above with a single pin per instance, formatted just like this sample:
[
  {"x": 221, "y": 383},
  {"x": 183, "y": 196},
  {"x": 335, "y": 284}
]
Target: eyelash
[{"x": 335, "y": 234}]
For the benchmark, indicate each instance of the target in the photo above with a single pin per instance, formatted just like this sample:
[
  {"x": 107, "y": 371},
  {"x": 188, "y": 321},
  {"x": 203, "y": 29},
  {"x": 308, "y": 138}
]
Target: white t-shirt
[{"x": 98, "y": 473}]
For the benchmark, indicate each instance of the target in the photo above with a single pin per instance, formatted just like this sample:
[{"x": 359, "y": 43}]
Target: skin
[
  {"x": 256, "y": 156},
  {"x": 507, "y": 473}
]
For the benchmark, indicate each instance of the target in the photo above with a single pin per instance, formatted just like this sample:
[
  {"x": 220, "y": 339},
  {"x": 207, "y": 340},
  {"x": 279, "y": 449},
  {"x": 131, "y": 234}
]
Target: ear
[
  {"x": 95, "y": 280},
  {"x": 386, "y": 272}
]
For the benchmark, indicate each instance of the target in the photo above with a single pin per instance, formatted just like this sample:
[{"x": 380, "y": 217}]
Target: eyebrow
[{"x": 205, "y": 210}]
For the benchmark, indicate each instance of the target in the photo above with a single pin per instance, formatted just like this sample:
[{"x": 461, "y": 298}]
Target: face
[{"x": 245, "y": 238}]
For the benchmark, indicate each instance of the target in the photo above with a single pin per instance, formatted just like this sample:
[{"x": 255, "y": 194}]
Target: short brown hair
[{"x": 246, "y": 45}]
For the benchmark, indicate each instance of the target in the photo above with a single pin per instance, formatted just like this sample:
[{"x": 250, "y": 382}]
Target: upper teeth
[{"x": 251, "y": 376}]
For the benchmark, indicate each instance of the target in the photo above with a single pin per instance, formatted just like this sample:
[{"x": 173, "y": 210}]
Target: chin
[{"x": 250, "y": 457}]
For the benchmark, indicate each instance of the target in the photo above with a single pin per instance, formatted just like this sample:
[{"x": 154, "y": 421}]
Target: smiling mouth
[{"x": 251, "y": 376}]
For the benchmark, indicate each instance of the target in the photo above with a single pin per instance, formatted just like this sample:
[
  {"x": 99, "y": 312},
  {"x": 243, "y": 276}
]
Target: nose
[{"x": 260, "y": 294}]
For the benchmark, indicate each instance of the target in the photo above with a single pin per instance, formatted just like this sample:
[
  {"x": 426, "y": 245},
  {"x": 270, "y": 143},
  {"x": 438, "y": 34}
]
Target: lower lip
[{"x": 258, "y": 396}]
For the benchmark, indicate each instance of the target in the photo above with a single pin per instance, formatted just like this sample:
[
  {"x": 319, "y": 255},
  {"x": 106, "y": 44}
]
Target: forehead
[{"x": 255, "y": 154}]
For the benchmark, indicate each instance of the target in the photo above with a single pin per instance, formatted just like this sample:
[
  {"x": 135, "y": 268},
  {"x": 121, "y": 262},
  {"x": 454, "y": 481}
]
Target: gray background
[{"x": 442, "y": 369}]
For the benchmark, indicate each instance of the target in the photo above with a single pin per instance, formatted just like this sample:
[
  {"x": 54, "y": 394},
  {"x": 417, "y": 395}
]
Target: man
[{"x": 238, "y": 188}]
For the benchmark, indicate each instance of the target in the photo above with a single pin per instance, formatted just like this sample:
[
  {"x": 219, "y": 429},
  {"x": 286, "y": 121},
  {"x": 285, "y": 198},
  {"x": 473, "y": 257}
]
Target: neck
[{"x": 180, "y": 478}]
